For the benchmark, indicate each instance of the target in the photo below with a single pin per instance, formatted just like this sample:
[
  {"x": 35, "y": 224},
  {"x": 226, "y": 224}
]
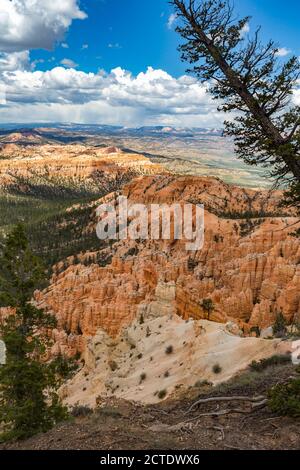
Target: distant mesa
[{"x": 24, "y": 137}]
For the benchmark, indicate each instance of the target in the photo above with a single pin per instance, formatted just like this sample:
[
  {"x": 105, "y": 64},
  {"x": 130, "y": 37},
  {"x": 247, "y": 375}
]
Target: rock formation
[
  {"x": 123, "y": 316},
  {"x": 77, "y": 161},
  {"x": 162, "y": 355},
  {"x": 249, "y": 268}
]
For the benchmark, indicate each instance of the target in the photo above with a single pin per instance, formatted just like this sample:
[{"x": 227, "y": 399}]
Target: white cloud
[
  {"x": 84, "y": 46},
  {"x": 297, "y": 96},
  {"x": 155, "y": 91},
  {"x": 153, "y": 96},
  {"x": 14, "y": 61},
  {"x": 283, "y": 52},
  {"x": 245, "y": 30},
  {"x": 69, "y": 63},
  {"x": 118, "y": 97},
  {"x": 171, "y": 20},
  {"x": 35, "y": 24},
  {"x": 68, "y": 94}
]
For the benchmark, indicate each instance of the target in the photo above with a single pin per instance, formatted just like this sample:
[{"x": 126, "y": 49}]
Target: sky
[{"x": 113, "y": 61}]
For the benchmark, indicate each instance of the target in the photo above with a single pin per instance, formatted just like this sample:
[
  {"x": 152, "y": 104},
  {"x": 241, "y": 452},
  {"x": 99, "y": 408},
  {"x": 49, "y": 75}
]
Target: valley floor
[{"x": 121, "y": 425}]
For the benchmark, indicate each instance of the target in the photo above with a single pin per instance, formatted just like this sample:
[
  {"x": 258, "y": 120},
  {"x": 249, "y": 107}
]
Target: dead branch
[
  {"x": 259, "y": 405},
  {"x": 194, "y": 422},
  {"x": 225, "y": 399}
]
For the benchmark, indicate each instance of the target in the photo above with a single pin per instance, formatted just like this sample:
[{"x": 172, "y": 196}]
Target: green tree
[
  {"x": 28, "y": 399},
  {"x": 249, "y": 79},
  {"x": 284, "y": 399},
  {"x": 208, "y": 307},
  {"x": 279, "y": 327}
]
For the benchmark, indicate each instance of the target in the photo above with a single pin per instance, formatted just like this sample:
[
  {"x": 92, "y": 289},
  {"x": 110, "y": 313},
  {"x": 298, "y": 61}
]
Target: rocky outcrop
[
  {"x": 249, "y": 265},
  {"x": 161, "y": 356},
  {"x": 77, "y": 161},
  {"x": 224, "y": 200},
  {"x": 140, "y": 321}
]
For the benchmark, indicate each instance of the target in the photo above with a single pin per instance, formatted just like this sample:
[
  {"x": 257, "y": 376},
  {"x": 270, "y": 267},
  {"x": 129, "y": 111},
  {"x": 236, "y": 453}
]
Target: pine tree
[
  {"x": 248, "y": 78},
  {"x": 280, "y": 326},
  {"x": 28, "y": 399},
  {"x": 208, "y": 307}
]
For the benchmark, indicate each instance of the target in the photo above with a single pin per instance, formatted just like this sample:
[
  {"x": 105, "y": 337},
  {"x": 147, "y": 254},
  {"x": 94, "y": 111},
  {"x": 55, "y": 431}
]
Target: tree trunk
[{"x": 270, "y": 130}]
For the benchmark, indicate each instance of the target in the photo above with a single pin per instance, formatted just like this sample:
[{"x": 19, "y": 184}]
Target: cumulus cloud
[
  {"x": 156, "y": 91},
  {"x": 66, "y": 93},
  {"x": 119, "y": 96},
  {"x": 14, "y": 61},
  {"x": 153, "y": 90},
  {"x": 35, "y": 24},
  {"x": 283, "y": 52}
]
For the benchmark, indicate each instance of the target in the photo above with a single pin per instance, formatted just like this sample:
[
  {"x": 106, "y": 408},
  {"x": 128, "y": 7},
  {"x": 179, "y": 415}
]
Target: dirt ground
[{"x": 120, "y": 425}]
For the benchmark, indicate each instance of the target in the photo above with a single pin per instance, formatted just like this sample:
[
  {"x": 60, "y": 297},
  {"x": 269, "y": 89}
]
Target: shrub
[
  {"x": 203, "y": 383},
  {"x": 256, "y": 330},
  {"x": 143, "y": 377},
  {"x": 284, "y": 399},
  {"x": 217, "y": 369},
  {"x": 109, "y": 412},
  {"x": 169, "y": 350},
  {"x": 77, "y": 356},
  {"x": 64, "y": 367},
  {"x": 208, "y": 307},
  {"x": 162, "y": 394},
  {"x": 81, "y": 411},
  {"x": 270, "y": 361},
  {"x": 192, "y": 264},
  {"x": 113, "y": 365}
]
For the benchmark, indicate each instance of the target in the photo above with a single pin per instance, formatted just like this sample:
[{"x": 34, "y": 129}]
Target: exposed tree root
[
  {"x": 194, "y": 422},
  {"x": 255, "y": 400}
]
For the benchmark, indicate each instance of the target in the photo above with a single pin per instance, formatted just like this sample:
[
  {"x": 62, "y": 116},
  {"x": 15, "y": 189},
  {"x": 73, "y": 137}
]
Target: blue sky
[
  {"x": 89, "y": 60},
  {"x": 138, "y": 33}
]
